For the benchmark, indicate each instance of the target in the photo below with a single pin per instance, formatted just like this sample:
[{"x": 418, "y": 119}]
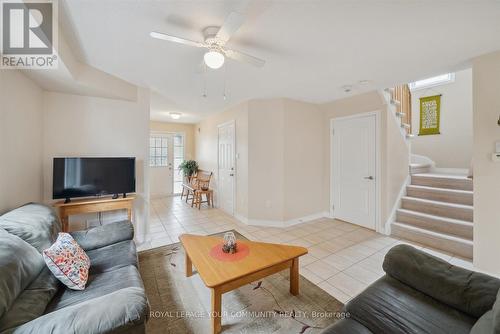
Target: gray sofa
[
  {"x": 421, "y": 293},
  {"x": 32, "y": 300}
]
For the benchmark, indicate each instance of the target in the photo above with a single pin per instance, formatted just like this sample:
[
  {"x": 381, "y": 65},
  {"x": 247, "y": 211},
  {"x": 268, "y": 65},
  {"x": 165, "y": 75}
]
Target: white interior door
[
  {"x": 226, "y": 167},
  {"x": 354, "y": 170},
  {"x": 161, "y": 152}
]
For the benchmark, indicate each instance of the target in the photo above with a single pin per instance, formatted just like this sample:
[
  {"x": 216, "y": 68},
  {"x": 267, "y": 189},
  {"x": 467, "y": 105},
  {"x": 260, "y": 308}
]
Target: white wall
[
  {"x": 395, "y": 163},
  {"x": 304, "y": 160},
  {"x": 91, "y": 126},
  {"x": 452, "y": 148},
  {"x": 486, "y": 88},
  {"x": 266, "y": 160},
  {"x": 20, "y": 140}
]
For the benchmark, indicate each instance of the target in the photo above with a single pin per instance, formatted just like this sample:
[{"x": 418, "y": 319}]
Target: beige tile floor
[{"x": 343, "y": 258}]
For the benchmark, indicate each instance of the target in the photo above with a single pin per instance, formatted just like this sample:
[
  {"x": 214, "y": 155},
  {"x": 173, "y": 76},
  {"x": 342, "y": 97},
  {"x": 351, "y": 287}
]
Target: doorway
[
  {"x": 226, "y": 167},
  {"x": 166, "y": 153},
  {"x": 354, "y": 169}
]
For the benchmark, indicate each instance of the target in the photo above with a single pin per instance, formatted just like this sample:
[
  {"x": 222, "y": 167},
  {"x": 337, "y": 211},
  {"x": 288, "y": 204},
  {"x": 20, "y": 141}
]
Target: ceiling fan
[{"x": 215, "y": 41}]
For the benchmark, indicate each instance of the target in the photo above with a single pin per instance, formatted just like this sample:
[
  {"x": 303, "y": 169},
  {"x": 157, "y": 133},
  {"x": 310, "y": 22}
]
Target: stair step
[
  {"x": 449, "y": 226},
  {"x": 441, "y": 194},
  {"x": 442, "y": 181},
  {"x": 442, "y": 209},
  {"x": 448, "y": 243},
  {"x": 420, "y": 168}
]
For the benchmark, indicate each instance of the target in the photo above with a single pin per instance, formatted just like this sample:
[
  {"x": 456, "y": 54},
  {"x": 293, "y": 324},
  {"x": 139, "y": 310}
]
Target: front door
[
  {"x": 160, "y": 162},
  {"x": 226, "y": 167},
  {"x": 354, "y": 170}
]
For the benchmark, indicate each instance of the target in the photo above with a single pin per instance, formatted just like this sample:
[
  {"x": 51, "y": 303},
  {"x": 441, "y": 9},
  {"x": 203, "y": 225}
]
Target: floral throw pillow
[{"x": 68, "y": 262}]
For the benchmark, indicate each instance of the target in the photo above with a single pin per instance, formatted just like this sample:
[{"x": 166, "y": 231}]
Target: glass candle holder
[{"x": 229, "y": 245}]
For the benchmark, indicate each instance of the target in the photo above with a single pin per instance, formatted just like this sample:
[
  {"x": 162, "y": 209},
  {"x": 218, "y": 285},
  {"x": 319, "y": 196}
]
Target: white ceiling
[{"x": 312, "y": 47}]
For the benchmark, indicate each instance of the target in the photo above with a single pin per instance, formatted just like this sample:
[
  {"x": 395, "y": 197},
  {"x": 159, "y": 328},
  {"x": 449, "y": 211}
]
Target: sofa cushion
[
  {"x": 20, "y": 264},
  {"x": 104, "y": 235},
  {"x": 496, "y": 313},
  {"x": 490, "y": 321},
  {"x": 471, "y": 292},
  {"x": 123, "y": 311},
  {"x": 389, "y": 306},
  {"x": 98, "y": 285},
  {"x": 68, "y": 262},
  {"x": 484, "y": 325},
  {"x": 31, "y": 303},
  {"x": 37, "y": 224},
  {"x": 346, "y": 326},
  {"x": 112, "y": 257}
]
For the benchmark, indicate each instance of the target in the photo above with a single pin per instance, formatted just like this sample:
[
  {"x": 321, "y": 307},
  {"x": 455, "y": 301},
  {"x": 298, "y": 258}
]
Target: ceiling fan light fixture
[
  {"x": 214, "y": 59},
  {"x": 175, "y": 115}
]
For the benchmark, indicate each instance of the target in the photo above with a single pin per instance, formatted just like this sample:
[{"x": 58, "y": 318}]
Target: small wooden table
[
  {"x": 90, "y": 205},
  {"x": 263, "y": 259}
]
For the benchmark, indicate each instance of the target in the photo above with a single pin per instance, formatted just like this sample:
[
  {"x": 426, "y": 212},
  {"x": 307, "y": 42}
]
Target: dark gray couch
[
  {"x": 33, "y": 301},
  {"x": 421, "y": 293}
]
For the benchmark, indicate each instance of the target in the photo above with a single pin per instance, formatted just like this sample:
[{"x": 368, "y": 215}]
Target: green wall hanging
[{"x": 430, "y": 109}]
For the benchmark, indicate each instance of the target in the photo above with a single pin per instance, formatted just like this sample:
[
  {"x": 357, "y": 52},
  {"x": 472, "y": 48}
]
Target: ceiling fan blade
[
  {"x": 174, "y": 39},
  {"x": 232, "y": 23},
  {"x": 243, "y": 57}
]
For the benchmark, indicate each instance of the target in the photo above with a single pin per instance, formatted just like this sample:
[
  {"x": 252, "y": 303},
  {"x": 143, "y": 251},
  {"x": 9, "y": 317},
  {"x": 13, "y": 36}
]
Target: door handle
[{"x": 369, "y": 178}]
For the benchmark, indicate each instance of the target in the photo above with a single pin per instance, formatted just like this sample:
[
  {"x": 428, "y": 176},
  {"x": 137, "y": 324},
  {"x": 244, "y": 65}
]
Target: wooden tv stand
[{"x": 91, "y": 205}]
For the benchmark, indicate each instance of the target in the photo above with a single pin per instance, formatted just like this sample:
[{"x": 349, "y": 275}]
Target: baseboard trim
[
  {"x": 305, "y": 219},
  {"x": 241, "y": 218},
  {"x": 282, "y": 223},
  {"x": 397, "y": 205},
  {"x": 158, "y": 196},
  {"x": 262, "y": 222}
]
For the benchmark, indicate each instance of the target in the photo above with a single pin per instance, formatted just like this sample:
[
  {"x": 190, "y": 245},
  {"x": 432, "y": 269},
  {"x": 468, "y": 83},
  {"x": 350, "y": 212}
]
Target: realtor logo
[{"x": 29, "y": 34}]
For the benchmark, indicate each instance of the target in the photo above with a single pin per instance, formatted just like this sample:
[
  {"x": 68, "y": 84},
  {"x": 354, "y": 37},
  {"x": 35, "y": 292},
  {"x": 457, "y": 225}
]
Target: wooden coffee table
[{"x": 221, "y": 276}]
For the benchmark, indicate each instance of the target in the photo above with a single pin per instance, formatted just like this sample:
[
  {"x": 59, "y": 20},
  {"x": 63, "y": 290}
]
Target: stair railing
[
  {"x": 400, "y": 99},
  {"x": 402, "y": 94}
]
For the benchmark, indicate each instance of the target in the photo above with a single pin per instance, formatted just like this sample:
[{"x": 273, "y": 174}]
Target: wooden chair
[
  {"x": 202, "y": 187},
  {"x": 188, "y": 186},
  {"x": 200, "y": 182}
]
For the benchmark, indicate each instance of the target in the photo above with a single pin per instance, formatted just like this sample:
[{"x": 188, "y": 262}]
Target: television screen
[{"x": 81, "y": 177}]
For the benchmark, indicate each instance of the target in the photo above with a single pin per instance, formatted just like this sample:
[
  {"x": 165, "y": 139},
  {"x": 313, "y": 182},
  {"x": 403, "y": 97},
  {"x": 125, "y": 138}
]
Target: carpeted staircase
[{"x": 437, "y": 211}]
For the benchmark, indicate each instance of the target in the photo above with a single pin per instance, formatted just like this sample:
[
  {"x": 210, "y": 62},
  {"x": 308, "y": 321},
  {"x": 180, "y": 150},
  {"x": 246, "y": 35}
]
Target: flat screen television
[{"x": 84, "y": 177}]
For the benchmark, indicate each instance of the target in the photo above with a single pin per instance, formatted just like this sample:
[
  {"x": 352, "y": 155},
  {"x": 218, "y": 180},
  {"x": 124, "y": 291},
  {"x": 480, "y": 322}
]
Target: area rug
[{"x": 181, "y": 304}]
